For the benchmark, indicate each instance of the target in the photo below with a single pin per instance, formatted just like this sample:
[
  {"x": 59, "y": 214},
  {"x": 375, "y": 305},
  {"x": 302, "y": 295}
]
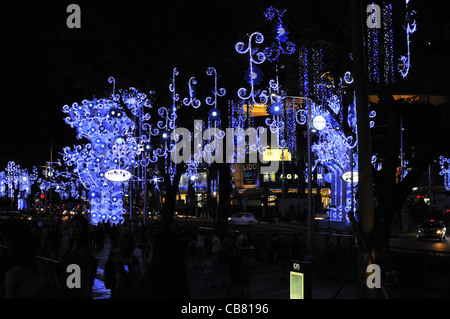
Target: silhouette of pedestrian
[
  {"x": 166, "y": 276},
  {"x": 25, "y": 276},
  {"x": 216, "y": 249},
  {"x": 114, "y": 236},
  {"x": 275, "y": 249},
  {"x": 208, "y": 271},
  {"x": 78, "y": 253},
  {"x": 294, "y": 247},
  {"x": 234, "y": 272},
  {"x": 201, "y": 241},
  {"x": 100, "y": 237},
  {"x": 122, "y": 268},
  {"x": 246, "y": 269},
  {"x": 192, "y": 253}
]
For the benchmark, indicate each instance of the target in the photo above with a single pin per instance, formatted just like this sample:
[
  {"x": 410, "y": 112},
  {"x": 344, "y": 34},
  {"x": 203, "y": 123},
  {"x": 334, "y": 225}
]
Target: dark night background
[{"x": 48, "y": 65}]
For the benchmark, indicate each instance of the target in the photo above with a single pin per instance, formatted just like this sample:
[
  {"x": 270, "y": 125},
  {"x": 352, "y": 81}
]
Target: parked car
[
  {"x": 432, "y": 229},
  {"x": 242, "y": 219},
  {"x": 159, "y": 217}
]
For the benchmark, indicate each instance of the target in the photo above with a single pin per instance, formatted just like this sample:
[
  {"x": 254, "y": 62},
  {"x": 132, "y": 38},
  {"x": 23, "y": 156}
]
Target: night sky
[{"x": 49, "y": 65}]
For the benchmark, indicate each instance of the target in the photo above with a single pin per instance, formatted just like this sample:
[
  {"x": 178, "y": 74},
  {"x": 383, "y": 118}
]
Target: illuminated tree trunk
[
  {"x": 170, "y": 199},
  {"x": 224, "y": 197},
  {"x": 392, "y": 195}
]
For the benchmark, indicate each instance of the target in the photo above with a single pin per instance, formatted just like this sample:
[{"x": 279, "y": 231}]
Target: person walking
[
  {"x": 166, "y": 276},
  {"x": 201, "y": 241},
  {"x": 215, "y": 249},
  {"x": 122, "y": 267},
  {"x": 25, "y": 277},
  {"x": 80, "y": 254},
  {"x": 208, "y": 271}
]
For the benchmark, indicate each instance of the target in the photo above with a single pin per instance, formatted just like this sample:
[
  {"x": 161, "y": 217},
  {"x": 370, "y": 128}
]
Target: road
[
  {"x": 411, "y": 243},
  {"x": 403, "y": 242}
]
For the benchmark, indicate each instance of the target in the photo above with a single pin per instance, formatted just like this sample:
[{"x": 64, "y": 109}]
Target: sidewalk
[
  {"x": 266, "y": 282},
  {"x": 269, "y": 282}
]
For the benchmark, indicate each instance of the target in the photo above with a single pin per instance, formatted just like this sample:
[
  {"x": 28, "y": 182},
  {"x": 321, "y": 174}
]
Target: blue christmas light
[
  {"x": 214, "y": 114},
  {"x": 165, "y": 135},
  {"x": 16, "y": 183},
  {"x": 411, "y": 27},
  {"x": 445, "y": 171},
  {"x": 282, "y": 46},
  {"x": 388, "y": 44},
  {"x": 275, "y": 108},
  {"x": 254, "y": 76}
]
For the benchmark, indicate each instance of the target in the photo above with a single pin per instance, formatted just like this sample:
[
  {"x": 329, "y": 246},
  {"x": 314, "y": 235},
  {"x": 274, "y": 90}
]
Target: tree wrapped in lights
[
  {"x": 118, "y": 137},
  {"x": 335, "y": 126},
  {"x": 16, "y": 182},
  {"x": 64, "y": 183},
  {"x": 3, "y": 184},
  {"x": 336, "y": 152},
  {"x": 68, "y": 189}
]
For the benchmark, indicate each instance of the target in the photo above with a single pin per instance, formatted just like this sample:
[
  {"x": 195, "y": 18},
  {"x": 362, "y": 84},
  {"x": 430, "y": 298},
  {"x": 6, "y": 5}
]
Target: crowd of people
[
  {"x": 228, "y": 260},
  {"x": 33, "y": 265},
  {"x": 34, "y": 259}
]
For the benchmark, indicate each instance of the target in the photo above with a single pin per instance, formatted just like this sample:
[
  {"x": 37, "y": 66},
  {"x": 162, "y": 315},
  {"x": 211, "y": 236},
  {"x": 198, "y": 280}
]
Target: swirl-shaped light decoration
[
  {"x": 211, "y": 150},
  {"x": 166, "y": 126},
  {"x": 275, "y": 109},
  {"x": 445, "y": 171},
  {"x": 255, "y": 57},
  {"x": 348, "y": 78},
  {"x": 411, "y": 27},
  {"x": 217, "y": 92},
  {"x": 192, "y": 100}
]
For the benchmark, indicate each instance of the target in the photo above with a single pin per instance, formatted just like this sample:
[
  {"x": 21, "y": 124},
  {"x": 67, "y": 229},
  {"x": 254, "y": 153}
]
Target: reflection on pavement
[{"x": 98, "y": 290}]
